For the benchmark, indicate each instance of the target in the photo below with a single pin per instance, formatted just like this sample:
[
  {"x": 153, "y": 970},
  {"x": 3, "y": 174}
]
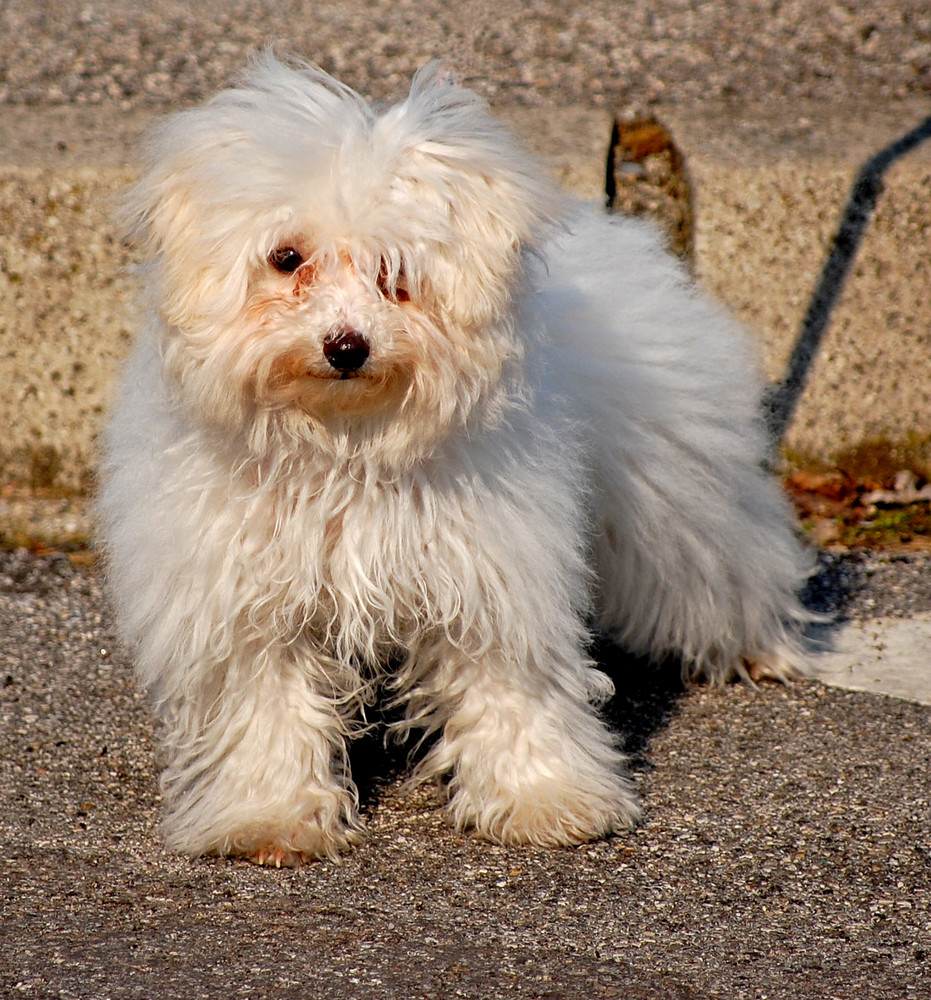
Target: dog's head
[{"x": 322, "y": 269}]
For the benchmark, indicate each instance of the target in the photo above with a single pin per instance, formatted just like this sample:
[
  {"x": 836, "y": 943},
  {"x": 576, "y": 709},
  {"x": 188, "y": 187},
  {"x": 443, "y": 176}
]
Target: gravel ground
[
  {"x": 852, "y": 586},
  {"x": 786, "y": 851},
  {"x": 599, "y": 52}
]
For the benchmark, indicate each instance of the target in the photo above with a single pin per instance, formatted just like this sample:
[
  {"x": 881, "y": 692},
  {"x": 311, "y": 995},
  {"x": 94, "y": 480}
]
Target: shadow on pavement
[
  {"x": 646, "y": 695},
  {"x": 784, "y": 397}
]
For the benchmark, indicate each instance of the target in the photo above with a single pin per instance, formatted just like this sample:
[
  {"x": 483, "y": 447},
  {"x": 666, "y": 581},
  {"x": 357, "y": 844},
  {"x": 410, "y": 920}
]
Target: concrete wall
[{"x": 769, "y": 183}]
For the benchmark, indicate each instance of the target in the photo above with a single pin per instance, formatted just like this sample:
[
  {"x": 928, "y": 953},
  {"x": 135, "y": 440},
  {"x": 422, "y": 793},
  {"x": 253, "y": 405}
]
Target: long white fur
[{"x": 556, "y": 429}]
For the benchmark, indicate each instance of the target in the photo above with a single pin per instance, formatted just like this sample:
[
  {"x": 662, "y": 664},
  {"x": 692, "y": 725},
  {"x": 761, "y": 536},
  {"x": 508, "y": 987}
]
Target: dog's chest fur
[{"x": 361, "y": 564}]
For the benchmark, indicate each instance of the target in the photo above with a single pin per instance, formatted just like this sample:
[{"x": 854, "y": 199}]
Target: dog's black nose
[{"x": 346, "y": 349}]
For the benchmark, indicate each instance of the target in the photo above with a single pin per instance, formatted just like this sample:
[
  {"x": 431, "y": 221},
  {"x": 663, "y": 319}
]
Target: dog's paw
[
  {"x": 266, "y": 825},
  {"x": 777, "y": 667},
  {"x": 278, "y": 857},
  {"x": 326, "y": 827},
  {"x": 291, "y": 848},
  {"x": 553, "y": 815}
]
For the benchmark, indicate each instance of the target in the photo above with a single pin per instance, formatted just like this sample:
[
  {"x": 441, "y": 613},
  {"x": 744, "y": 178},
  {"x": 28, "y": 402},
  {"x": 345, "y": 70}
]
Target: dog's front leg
[
  {"x": 529, "y": 759},
  {"x": 256, "y": 761}
]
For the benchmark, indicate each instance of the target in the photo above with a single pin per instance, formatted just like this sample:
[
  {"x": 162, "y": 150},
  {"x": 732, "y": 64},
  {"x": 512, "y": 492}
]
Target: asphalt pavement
[{"x": 785, "y": 850}]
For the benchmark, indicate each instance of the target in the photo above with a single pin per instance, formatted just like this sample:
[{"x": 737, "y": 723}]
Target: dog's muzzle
[{"x": 346, "y": 350}]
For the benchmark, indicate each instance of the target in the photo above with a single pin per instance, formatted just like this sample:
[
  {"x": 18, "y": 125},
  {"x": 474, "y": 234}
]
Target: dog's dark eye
[
  {"x": 396, "y": 291},
  {"x": 285, "y": 259}
]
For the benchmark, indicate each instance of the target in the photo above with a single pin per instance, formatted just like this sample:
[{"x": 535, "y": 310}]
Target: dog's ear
[
  {"x": 188, "y": 236},
  {"x": 200, "y": 213},
  {"x": 495, "y": 198}
]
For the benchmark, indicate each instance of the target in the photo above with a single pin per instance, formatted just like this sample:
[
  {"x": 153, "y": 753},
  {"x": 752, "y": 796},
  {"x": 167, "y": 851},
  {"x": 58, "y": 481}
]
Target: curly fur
[{"x": 550, "y": 428}]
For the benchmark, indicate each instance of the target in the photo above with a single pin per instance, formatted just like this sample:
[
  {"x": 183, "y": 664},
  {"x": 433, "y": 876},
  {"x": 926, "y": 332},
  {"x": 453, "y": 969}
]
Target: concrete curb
[{"x": 888, "y": 656}]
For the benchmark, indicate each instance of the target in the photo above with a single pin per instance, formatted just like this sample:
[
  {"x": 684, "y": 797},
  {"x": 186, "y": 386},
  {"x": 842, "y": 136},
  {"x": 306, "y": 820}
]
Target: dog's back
[{"x": 693, "y": 543}]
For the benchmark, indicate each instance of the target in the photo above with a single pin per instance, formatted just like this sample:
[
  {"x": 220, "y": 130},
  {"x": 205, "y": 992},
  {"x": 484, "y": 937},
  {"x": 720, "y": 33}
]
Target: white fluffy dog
[{"x": 403, "y": 421}]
